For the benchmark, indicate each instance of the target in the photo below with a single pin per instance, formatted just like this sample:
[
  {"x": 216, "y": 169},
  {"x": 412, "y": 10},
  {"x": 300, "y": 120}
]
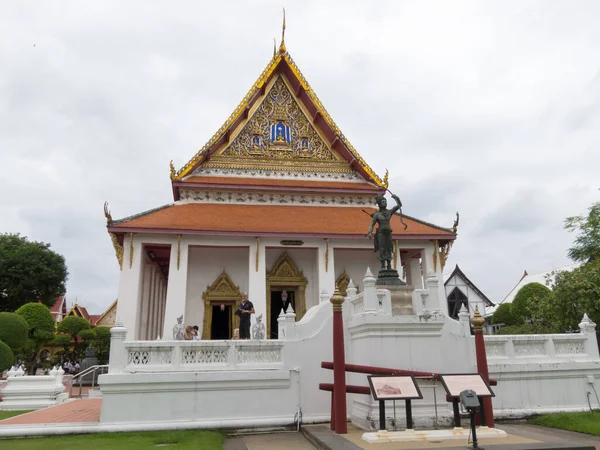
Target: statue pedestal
[
  {"x": 389, "y": 277},
  {"x": 401, "y": 294}
]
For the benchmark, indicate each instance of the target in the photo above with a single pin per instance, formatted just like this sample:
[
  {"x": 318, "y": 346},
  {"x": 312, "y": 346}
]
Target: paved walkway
[
  {"x": 278, "y": 441},
  {"x": 75, "y": 411}
]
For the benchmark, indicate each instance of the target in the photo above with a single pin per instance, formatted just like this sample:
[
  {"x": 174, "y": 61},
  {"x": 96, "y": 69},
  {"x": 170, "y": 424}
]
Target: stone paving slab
[
  {"x": 75, "y": 411},
  {"x": 520, "y": 437},
  {"x": 278, "y": 441}
]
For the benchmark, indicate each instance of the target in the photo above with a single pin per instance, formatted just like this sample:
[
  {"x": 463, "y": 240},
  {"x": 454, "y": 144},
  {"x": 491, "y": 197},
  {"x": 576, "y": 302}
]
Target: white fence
[
  {"x": 189, "y": 356},
  {"x": 544, "y": 347}
]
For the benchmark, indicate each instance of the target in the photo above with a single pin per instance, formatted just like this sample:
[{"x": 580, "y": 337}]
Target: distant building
[
  {"x": 59, "y": 309},
  {"x": 460, "y": 290}
]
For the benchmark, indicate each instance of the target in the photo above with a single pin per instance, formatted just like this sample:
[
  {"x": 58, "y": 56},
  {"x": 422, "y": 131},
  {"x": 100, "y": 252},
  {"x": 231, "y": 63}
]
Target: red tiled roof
[
  {"x": 280, "y": 220},
  {"x": 57, "y": 305},
  {"x": 279, "y": 182},
  {"x": 94, "y": 318}
]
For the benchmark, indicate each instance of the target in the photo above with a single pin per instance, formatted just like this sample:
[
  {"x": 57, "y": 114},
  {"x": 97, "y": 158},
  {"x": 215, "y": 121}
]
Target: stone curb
[{"x": 325, "y": 439}]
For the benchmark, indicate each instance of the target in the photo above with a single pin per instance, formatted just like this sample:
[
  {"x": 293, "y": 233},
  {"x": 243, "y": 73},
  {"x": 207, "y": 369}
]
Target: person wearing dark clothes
[{"x": 245, "y": 311}]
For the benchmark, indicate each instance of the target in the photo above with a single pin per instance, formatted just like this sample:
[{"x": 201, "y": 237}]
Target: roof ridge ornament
[{"x": 282, "y": 48}]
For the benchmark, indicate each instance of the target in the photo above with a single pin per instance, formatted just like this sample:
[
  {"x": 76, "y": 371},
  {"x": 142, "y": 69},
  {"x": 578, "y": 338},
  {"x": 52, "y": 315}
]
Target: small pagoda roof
[
  {"x": 261, "y": 220},
  {"x": 281, "y": 64}
]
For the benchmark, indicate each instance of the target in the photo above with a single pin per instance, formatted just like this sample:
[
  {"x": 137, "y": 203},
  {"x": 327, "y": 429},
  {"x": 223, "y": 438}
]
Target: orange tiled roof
[
  {"x": 239, "y": 181},
  {"x": 282, "y": 220}
]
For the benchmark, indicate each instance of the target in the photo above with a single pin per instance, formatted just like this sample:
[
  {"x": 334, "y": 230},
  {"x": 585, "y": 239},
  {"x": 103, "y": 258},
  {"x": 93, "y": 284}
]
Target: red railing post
[
  {"x": 339, "y": 364},
  {"x": 482, "y": 367}
]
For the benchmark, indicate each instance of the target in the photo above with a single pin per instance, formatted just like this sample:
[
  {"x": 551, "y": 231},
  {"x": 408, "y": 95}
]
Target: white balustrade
[
  {"x": 358, "y": 304},
  {"x": 189, "y": 356},
  {"x": 558, "y": 347}
]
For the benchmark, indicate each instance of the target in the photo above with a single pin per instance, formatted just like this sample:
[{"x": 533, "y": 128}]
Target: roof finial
[
  {"x": 274, "y": 46},
  {"x": 282, "y": 48}
]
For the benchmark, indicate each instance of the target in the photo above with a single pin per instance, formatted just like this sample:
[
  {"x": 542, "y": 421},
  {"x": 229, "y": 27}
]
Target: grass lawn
[
  {"x": 8, "y": 414},
  {"x": 189, "y": 439},
  {"x": 584, "y": 422}
]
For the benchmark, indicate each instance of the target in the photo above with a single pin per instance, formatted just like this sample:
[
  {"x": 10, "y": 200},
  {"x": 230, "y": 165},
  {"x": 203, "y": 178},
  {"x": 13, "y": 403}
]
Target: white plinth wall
[
  {"x": 32, "y": 392},
  {"x": 275, "y": 382}
]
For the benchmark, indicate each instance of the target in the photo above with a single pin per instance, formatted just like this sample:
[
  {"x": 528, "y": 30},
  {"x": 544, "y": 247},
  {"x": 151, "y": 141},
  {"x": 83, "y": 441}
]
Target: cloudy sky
[{"x": 487, "y": 108}]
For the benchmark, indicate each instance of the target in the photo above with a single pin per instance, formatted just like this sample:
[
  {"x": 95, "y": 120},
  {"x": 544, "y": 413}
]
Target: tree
[
  {"x": 7, "y": 358},
  {"x": 505, "y": 315},
  {"x": 576, "y": 292},
  {"x": 73, "y": 325},
  {"x": 41, "y": 331},
  {"x": 29, "y": 271},
  {"x": 13, "y": 330},
  {"x": 528, "y": 298},
  {"x": 586, "y": 246},
  {"x": 99, "y": 338}
]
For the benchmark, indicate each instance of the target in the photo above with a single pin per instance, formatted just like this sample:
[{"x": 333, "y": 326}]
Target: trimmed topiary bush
[
  {"x": 7, "y": 358},
  {"x": 38, "y": 317},
  {"x": 13, "y": 330}
]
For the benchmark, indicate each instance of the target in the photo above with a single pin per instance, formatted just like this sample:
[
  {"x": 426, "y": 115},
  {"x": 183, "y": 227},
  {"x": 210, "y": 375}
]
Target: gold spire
[
  {"x": 282, "y": 48},
  {"x": 274, "y": 47}
]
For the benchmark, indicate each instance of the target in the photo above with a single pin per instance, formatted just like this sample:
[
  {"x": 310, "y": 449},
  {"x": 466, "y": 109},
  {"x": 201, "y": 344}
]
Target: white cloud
[{"x": 489, "y": 108}]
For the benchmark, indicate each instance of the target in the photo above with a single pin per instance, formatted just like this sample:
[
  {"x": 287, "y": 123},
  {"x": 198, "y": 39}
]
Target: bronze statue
[{"x": 383, "y": 235}]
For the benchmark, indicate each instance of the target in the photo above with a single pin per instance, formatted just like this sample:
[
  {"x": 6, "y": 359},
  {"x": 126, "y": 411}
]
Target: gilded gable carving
[
  {"x": 222, "y": 288},
  {"x": 279, "y": 129},
  {"x": 284, "y": 267}
]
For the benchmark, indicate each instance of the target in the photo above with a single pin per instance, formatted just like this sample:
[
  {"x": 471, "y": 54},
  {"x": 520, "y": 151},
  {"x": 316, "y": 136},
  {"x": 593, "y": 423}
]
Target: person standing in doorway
[{"x": 246, "y": 310}]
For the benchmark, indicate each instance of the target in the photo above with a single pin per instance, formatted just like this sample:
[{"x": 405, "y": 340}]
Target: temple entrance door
[
  {"x": 284, "y": 276},
  {"x": 221, "y": 322},
  {"x": 277, "y": 305}
]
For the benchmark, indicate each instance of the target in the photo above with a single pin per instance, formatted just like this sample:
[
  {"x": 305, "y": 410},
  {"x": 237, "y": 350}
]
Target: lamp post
[
  {"x": 339, "y": 364},
  {"x": 482, "y": 367}
]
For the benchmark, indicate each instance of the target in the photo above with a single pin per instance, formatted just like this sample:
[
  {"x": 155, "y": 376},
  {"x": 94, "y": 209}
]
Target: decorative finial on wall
[
  {"x": 107, "y": 214},
  {"x": 385, "y": 179},
  {"x": 282, "y": 48},
  {"x": 172, "y": 167},
  {"x": 274, "y": 46}
]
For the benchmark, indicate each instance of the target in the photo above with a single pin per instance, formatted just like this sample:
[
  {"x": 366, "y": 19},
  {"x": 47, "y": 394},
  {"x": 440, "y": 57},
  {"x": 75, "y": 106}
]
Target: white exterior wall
[
  {"x": 237, "y": 255},
  {"x": 266, "y": 383},
  {"x": 355, "y": 263},
  {"x": 305, "y": 259},
  {"x": 204, "y": 267},
  {"x": 130, "y": 285}
]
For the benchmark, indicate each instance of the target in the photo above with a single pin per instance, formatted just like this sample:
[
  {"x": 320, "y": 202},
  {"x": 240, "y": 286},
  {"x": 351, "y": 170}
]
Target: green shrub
[
  {"x": 528, "y": 298},
  {"x": 61, "y": 340},
  {"x": 506, "y": 316},
  {"x": 13, "y": 330},
  {"x": 518, "y": 329},
  {"x": 38, "y": 317},
  {"x": 7, "y": 358},
  {"x": 73, "y": 325}
]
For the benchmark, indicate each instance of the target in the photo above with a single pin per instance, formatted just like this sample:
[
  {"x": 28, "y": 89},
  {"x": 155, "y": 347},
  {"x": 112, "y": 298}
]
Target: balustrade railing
[
  {"x": 165, "y": 356},
  {"x": 542, "y": 346}
]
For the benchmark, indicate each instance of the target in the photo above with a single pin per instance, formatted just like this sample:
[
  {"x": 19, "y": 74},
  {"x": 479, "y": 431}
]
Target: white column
[
  {"x": 326, "y": 270},
  {"x": 428, "y": 271},
  {"x": 117, "y": 359},
  {"x": 176, "y": 287},
  {"x": 128, "y": 307},
  {"x": 257, "y": 281},
  {"x": 414, "y": 273},
  {"x": 145, "y": 301},
  {"x": 153, "y": 325},
  {"x": 147, "y": 334}
]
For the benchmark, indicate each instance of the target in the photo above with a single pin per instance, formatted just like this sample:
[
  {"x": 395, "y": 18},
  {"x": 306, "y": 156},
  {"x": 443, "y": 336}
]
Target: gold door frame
[
  {"x": 285, "y": 274},
  {"x": 222, "y": 291}
]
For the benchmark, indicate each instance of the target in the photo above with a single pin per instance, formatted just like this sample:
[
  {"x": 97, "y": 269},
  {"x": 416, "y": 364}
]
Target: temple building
[{"x": 277, "y": 204}]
